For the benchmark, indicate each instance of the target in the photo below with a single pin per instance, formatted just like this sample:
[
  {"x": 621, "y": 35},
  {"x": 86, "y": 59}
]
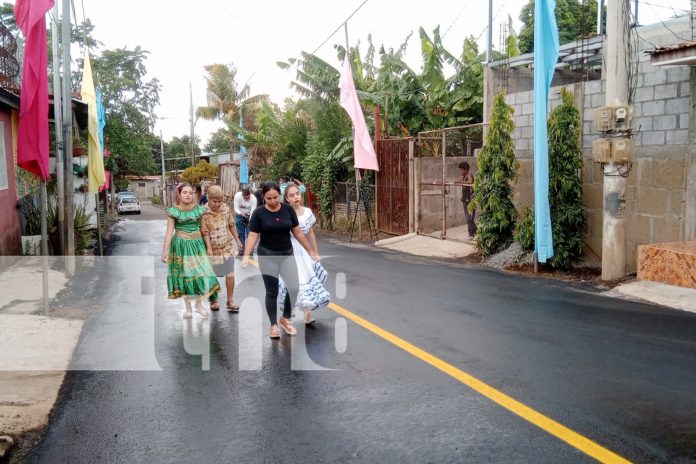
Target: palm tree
[{"x": 226, "y": 101}]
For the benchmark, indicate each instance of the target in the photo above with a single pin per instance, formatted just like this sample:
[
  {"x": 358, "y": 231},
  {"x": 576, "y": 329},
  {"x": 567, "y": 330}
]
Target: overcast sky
[{"x": 183, "y": 36}]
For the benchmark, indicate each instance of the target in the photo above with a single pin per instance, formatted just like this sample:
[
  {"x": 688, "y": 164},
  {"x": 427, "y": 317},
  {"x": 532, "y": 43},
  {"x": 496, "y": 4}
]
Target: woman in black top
[{"x": 273, "y": 223}]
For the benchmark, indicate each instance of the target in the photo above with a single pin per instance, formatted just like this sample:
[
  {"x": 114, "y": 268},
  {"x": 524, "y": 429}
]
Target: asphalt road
[{"x": 148, "y": 386}]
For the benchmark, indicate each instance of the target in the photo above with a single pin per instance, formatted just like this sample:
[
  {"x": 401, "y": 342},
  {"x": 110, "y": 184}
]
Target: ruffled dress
[
  {"x": 311, "y": 275},
  {"x": 190, "y": 272}
]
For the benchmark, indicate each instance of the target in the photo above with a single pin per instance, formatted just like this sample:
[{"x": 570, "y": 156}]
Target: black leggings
[{"x": 273, "y": 264}]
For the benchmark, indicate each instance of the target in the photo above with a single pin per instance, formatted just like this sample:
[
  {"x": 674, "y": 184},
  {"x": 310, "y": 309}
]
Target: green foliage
[
  {"x": 83, "y": 232},
  {"x": 81, "y": 218},
  {"x": 574, "y": 21},
  {"x": 565, "y": 184},
  {"x": 492, "y": 187},
  {"x": 525, "y": 230},
  {"x": 129, "y": 103},
  {"x": 221, "y": 141},
  {"x": 512, "y": 45},
  {"x": 200, "y": 172}
]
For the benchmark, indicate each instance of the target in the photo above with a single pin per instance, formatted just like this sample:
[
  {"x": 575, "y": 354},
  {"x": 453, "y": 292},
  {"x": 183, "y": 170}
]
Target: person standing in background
[
  {"x": 285, "y": 181},
  {"x": 466, "y": 180},
  {"x": 243, "y": 204}
]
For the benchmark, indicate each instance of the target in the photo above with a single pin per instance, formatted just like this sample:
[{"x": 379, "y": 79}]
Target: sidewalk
[
  {"x": 36, "y": 347},
  {"x": 457, "y": 245}
]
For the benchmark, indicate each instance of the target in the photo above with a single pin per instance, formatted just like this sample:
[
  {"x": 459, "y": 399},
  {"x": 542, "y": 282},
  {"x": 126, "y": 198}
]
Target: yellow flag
[{"x": 95, "y": 163}]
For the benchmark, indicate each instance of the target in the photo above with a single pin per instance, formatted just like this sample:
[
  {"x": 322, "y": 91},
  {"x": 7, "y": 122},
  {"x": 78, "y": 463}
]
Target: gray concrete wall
[{"x": 661, "y": 189}]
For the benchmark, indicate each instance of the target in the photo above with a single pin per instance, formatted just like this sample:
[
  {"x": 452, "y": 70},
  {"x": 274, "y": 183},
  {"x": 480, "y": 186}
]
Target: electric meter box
[
  {"x": 622, "y": 150},
  {"x": 623, "y": 117},
  {"x": 604, "y": 119},
  {"x": 601, "y": 150}
]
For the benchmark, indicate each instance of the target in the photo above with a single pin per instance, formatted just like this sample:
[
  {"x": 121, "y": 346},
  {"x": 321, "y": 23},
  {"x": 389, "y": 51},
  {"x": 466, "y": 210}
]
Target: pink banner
[
  {"x": 32, "y": 139},
  {"x": 363, "y": 150}
]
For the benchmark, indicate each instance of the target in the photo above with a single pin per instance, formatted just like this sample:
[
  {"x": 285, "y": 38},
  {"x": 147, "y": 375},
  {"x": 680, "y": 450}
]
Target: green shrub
[
  {"x": 492, "y": 187},
  {"x": 565, "y": 184},
  {"x": 525, "y": 230}
]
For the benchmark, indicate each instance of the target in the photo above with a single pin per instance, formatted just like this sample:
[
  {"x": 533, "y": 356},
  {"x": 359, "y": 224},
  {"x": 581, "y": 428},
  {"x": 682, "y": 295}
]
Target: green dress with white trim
[{"x": 190, "y": 273}]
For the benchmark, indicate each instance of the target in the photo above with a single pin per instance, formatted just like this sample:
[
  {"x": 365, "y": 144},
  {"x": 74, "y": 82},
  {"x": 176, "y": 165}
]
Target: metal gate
[
  {"x": 393, "y": 210},
  {"x": 438, "y": 154}
]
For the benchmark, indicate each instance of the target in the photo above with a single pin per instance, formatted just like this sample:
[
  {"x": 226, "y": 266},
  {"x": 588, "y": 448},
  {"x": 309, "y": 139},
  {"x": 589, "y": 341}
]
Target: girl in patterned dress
[
  {"x": 191, "y": 275},
  {"x": 311, "y": 294}
]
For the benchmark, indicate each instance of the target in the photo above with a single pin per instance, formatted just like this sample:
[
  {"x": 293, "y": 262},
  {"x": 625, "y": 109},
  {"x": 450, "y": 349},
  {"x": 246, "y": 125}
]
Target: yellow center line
[{"x": 545, "y": 423}]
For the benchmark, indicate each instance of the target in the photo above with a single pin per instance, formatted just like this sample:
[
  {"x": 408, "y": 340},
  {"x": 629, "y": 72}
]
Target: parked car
[
  {"x": 128, "y": 204},
  {"x": 124, "y": 194}
]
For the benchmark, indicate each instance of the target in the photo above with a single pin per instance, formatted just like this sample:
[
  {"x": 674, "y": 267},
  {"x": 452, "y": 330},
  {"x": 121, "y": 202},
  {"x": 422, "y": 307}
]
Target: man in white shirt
[{"x": 244, "y": 203}]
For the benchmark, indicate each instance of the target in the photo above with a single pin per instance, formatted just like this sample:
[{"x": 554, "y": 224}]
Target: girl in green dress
[{"x": 191, "y": 275}]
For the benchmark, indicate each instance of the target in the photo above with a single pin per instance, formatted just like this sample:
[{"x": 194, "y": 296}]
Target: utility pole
[
  {"x": 58, "y": 124},
  {"x": 193, "y": 154},
  {"x": 614, "y": 218},
  {"x": 164, "y": 178},
  {"x": 489, "y": 44},
  {"x": 69, "y": 246}
]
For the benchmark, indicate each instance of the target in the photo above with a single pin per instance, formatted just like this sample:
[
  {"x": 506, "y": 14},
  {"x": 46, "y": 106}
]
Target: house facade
[{"x": 10, "y": 236}]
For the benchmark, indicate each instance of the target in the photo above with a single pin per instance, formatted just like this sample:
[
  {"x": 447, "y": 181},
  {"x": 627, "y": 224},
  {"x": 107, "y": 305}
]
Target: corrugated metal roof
[{"x": 680, "y": 46}]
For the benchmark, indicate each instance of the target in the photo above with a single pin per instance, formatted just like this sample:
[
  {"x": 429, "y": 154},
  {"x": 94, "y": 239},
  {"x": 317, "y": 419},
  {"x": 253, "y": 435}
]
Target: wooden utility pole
[
  {"x": 69, "y": 245},
  {"x": 614, "y": 217}
]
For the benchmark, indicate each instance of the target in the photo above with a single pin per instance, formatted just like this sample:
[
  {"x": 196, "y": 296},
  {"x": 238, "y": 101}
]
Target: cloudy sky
[{"x": 183, "y": 36}]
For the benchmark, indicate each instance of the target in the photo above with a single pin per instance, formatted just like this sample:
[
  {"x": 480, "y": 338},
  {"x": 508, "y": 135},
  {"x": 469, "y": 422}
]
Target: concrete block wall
[{"x": 658, "y": 186}]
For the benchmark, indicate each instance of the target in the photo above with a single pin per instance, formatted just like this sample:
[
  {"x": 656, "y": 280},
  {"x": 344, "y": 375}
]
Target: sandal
[
  {"x": 201, "y": 310},
  {"x": 232, "y": 308},
  {"x": 215, "y": 306},
  {"x": 188, "y": 314}
]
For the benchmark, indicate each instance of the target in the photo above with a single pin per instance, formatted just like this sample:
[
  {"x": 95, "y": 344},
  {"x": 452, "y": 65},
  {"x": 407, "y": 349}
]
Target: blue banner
[
  {"x": 102, "y": 120},
  {"x": 545, "y": 56},
  {"x": 243, "y": 162}
]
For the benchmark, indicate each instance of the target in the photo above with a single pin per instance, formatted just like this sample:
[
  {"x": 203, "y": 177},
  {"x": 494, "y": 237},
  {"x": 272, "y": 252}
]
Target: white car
[{"x": 128, "y": 205}]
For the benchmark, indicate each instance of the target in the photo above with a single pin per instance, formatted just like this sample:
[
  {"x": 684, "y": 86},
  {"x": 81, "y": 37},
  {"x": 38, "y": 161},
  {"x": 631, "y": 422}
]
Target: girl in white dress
[{"x": 312, "y": 276}]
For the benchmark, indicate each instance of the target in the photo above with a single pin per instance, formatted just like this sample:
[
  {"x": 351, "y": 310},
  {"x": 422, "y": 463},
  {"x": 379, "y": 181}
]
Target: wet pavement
[{"x": 147, "y": 385}]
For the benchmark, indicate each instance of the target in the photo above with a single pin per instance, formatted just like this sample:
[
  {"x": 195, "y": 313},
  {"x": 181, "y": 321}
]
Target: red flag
[
  {"x": 32, "y": 140},
  {"x": 363, "y": 151}
]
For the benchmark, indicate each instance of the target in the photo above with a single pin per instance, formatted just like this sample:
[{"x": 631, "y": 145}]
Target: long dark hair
[{"x": 268, "y": 186}]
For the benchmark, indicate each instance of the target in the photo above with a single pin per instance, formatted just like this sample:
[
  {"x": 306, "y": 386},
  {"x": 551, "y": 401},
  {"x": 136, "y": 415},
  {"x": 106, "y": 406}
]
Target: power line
[
  {"x": 339, "y": 27},
  {"x": 456, "y": 18},
  {"x": 670, "y": 7},
  {"x": 668, "y": 28},
  {"x": 494, "y": 18}
]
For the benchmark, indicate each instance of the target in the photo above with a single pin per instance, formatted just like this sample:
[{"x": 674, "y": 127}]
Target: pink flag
[
  {"x": 363, "y": 150},
  {"x": 32, "y": 140}
]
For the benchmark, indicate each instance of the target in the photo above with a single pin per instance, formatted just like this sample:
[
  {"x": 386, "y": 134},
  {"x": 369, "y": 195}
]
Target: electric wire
[
  {"x": 339, "y": 27},
  {"x": 456, "y": 18},
  {"x": 495, "y": 16},
  {"x": 668, "y": 28}
]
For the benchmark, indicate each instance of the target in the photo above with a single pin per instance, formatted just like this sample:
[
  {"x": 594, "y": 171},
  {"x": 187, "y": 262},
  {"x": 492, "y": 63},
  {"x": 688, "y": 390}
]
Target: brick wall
[{"x": 658, "y": 186}]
